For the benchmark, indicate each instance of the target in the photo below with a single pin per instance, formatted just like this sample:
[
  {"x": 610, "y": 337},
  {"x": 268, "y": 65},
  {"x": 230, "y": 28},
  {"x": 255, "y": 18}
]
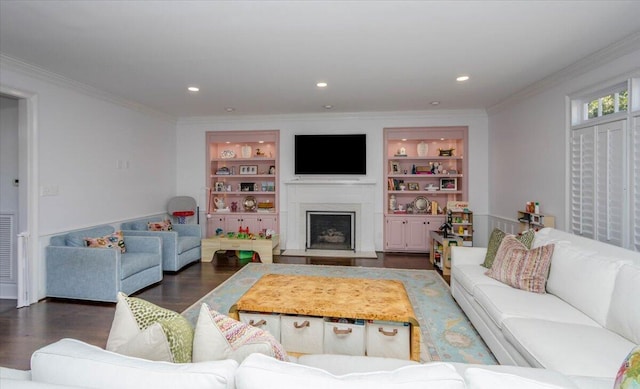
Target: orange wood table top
[{"x": 354, "y": 298}]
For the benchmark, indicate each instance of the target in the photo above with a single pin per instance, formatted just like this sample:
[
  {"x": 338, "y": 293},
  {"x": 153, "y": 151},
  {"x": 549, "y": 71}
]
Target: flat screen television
[{"x": 343, "y": 154}]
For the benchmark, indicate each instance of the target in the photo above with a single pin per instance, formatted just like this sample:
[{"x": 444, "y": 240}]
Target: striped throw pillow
[{"x": 521, "y": 268}]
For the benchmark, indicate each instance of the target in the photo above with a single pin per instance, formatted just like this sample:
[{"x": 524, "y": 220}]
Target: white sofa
[
  {"x": 70, "y": 363},
  {"x": 585, "y": 324}
]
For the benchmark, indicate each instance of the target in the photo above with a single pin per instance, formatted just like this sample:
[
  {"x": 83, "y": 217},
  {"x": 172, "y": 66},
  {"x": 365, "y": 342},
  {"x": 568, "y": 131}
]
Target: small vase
[
  {"x": 246, "y": 151},
  {"x": 423, "y": 149}
]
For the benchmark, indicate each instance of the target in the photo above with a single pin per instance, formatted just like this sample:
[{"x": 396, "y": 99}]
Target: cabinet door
[
  {"x": 233, "y": 223},
  {"x": 416, "y": 235},
  {"x": 214, "y": 223},
  {"x": 394, "y": 233},
  {"x": 267, "y": 222}
]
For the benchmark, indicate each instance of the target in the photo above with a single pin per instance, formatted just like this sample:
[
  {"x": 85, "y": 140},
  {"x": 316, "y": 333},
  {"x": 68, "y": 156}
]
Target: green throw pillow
[
  {"x": 144, "y": 330},
  {"x": 526, "y": 238}
]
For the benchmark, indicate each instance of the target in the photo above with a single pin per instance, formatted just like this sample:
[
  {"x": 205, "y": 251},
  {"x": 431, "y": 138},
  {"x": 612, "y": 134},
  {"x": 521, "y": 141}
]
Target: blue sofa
[
  {"x": 180, "y": 247},
  {"x": 78, "y": 272}
]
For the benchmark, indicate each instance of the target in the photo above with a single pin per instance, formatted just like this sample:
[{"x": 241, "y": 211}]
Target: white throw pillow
[
  {"x": 218, "y": 336},
  {"x": 584, "y": 280},
  {"x": 144, "y": 330},
  {"x": 70, "y": 362},
  {"x": 624, "y": 314},
  {"x": 260, "y": 371},
  {"x": 486, "y": 379}
]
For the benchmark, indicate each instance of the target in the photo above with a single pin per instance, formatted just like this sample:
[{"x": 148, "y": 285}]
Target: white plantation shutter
[
  {"x": 583, "y": 183},
  {"x": 598, "y": 184},
  {"x": 610, "y": 183},
  {"x": 635, "y": 176}
]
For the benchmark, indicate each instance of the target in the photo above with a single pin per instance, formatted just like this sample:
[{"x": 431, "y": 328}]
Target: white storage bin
[
  {"x": 388, "y": 339},
  {"x": 269, "y": 322},
  {"x": 344, "y": 338},
  {"x": 302, "y": 334}
]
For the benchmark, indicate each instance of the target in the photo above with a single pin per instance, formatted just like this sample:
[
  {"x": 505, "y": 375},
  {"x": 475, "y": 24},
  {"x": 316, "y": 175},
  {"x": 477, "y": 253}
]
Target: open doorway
[
  {"x": 18, "y": 197},
  {"x": 9, "y": 196}
]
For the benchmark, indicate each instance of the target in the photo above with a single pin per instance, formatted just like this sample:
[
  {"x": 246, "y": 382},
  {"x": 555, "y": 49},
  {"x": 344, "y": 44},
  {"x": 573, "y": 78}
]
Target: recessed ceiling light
[
  {"x": 193, "y": 89},
  {"x": 229, "y": 109},
  {"x": 328, "y": 106},
  {"x": 321, "y": 85},
  {"x": 435, "y": 103},
  {"x": 462, "y": 78}
]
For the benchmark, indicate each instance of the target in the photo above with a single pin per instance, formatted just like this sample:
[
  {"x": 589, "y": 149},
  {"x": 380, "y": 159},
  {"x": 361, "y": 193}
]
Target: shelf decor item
[
  {"x": 247, "y": 186},
  {"x": 445, "y": 152},
  {"x": 448, "y": 184},
  {"x": 227, "y": 154},
  {"x": 423, "y": 149},
  {"x": 248, "y": 169},
  {"x": 245, "y": 151}
]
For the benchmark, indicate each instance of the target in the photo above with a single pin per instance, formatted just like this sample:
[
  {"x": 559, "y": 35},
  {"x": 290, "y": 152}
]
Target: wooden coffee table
[
  {"x": 266, "y": 248},
  {"x": 354, "y": 298}
]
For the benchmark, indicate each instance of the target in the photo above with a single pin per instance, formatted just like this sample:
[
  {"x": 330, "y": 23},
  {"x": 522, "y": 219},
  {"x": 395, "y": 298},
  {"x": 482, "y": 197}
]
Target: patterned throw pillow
[
  {"x": 496, "y": 238},
  {"x": 144, "y": 330},
  {"x": 220, "y": 337},
  {"x": 628, "y": 376},
  {"x": 164, "y": 225},
  {"x": 111, "y": 241},
  {"x": 521, "y": 268}
]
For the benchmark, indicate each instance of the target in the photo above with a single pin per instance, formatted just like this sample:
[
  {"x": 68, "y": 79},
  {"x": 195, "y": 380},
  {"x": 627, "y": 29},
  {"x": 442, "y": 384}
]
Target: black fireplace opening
[{"x": 330, "y": 230}]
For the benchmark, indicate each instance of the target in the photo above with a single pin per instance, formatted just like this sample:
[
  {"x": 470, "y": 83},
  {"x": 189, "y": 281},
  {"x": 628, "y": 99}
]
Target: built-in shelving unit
[
  {"x": 242, "y": 180},
  {"x": 425, "y": 167}
]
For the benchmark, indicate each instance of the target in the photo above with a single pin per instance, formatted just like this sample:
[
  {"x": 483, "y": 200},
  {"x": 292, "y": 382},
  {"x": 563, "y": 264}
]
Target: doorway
[{"x": 18, "y": 197}]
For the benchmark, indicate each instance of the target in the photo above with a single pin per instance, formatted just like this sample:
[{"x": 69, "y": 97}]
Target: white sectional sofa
[
  {"x": 585, "y": 324},
  {"x": 70, "y": 363}
]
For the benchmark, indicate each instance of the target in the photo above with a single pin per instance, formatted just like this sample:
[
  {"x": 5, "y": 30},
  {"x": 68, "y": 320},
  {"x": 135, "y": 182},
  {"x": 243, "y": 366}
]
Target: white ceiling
[{"x": 265, "y": 57}]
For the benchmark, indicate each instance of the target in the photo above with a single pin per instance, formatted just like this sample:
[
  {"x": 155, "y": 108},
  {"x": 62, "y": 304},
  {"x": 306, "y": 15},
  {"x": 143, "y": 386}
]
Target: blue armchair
[
  {"x": 87, "y": 273},
  {"x": 179, "y": 247}
]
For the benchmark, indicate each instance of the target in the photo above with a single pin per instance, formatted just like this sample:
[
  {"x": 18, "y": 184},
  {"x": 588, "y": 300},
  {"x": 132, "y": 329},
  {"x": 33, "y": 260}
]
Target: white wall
[
  {"x": 81, "y": 137},
  {"x": 528, "y": 143},
  {"x": 191, "y": 151}
]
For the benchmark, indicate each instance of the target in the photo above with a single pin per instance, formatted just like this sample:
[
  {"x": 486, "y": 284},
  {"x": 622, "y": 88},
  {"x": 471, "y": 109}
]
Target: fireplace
[
  {"x": 330, "y": 230},
  {"x": 332, "y": 196}
]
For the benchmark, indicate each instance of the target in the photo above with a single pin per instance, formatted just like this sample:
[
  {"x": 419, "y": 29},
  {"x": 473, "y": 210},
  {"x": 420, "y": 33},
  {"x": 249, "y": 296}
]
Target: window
[
  {"x": 605, "y": 105},
  {"x": 604, "y": 166},
  {"x": 600, "y": 104}
]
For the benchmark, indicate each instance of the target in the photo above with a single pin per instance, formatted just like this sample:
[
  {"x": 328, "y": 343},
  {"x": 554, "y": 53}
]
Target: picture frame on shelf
[
  {"x": 413, "y": 186},
  {"x": 247, "y": 186},
  {"x": 394, "y": 167},
  {"x": 219, "y": 186},
  {"x": 272, "y": 169},
  {"x": 248, "y": 169},
  {"x": 448, "y": 184}
]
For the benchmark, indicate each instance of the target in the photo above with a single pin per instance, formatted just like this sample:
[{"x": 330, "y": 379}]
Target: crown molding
[
  {"x": 599, "y": 58},
  {"x": 395, "y": 115},
  {"x": 16, "y": 65}
]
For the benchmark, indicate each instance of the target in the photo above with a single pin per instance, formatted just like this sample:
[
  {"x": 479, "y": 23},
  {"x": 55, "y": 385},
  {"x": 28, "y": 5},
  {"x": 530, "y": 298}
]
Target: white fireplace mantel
[
  {"x": 331, "y": 195},
  {"x": 305, "y": 181}
]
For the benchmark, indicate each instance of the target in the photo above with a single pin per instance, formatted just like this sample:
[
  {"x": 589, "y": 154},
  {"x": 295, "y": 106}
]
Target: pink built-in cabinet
[
  {"x": 242, "y": 180},
  {"x": 425, "y": 167}
]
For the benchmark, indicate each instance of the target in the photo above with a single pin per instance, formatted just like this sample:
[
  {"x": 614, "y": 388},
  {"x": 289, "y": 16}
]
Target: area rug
[{"x": 447, "y": 334}]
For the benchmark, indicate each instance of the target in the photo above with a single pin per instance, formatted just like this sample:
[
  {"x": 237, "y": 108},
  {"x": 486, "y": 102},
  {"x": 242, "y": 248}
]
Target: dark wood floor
[{"x": 24, "y": 330}]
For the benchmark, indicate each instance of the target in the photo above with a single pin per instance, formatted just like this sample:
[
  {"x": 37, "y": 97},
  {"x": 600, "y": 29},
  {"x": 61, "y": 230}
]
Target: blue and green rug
[{"x": 447, "y": 334}]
